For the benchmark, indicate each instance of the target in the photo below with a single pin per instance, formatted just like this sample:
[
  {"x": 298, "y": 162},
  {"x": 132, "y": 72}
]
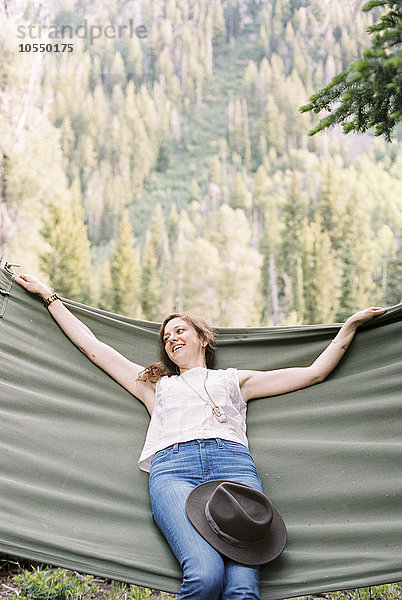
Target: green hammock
[{"x": 71, "y": 493}]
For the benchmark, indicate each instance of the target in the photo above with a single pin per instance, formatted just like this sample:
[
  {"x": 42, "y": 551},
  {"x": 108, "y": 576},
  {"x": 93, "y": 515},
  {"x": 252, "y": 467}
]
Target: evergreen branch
[
  {"x": 369, "y": 90},
  {"x": 316, "y": 106}
]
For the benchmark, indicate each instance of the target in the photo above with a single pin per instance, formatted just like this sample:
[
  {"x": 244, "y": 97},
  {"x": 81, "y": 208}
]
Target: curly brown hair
[{"x": 154, "y": 372}]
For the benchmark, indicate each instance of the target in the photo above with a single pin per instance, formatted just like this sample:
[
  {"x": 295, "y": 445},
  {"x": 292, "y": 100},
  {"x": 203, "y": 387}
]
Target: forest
[{"x": 163, "y": 164}]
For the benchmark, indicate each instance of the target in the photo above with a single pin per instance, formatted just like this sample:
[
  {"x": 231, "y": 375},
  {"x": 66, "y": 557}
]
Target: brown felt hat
[{"x": 237, "y": 520}]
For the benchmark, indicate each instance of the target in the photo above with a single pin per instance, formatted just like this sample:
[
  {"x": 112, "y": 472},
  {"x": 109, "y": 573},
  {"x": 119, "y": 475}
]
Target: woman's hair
[{"x": 157, "y": 370}]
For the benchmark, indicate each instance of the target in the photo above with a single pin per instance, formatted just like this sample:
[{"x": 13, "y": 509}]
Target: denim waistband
[{"x": 199, "y": 442}]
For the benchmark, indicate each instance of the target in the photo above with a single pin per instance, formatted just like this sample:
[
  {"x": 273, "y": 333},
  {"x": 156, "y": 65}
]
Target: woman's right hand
[{"x": 33, "y": 285}]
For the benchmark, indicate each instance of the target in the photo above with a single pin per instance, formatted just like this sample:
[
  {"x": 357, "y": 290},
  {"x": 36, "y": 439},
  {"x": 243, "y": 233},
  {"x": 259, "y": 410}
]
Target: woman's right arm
[{"x": 107, "y": 358}]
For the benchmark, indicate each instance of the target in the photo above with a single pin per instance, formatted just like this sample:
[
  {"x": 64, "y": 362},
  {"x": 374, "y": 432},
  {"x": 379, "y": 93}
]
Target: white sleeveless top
[{"x": 180, "y": 415}]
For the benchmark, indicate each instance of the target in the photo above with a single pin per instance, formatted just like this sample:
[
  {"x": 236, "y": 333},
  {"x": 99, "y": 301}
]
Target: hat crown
[
  {"x": 238, "y": 511},
  {"x": 237, "y": 520}
]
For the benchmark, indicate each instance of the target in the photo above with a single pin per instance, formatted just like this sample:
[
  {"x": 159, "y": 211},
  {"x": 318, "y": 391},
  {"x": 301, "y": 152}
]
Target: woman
[{"x": 197, "y": 432}]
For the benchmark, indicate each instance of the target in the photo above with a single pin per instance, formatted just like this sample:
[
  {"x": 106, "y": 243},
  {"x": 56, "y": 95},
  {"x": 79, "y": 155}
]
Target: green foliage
[
  {"x": 162, "y": 160},
  {"x": 53, "y": 584},
  {"x": 240, "y": 196},
  {"x": 332, "y": 208},
  {"x": 123, "y": 591},
  {"x": 61, "y": 584},
  {"x": 237, "y": 280},
  {"x": 377, "y": 592},
  {"x": 393, "y": 282},
  {"x": 125, "y": 272},
  {"x": 294, "y": 212},
  {"x": 150, "y": 283},
  {"x": 320, "y": 276},
  {"x": 390, "y": 591},
  {"x": 138, "y": 593},
  {"x": 347, "y": 302},
  {"x": 46, "y": 583},
  {"x": 157, "y": 269},
  {"x": 66, "y": 261},
  {"x": 369, "y": 92}
]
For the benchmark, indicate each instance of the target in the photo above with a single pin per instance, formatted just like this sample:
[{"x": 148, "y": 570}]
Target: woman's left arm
[{"x": 259, "y": 384}]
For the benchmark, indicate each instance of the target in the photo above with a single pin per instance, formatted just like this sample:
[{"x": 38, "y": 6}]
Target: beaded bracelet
[{"x": 51, "y": 299}]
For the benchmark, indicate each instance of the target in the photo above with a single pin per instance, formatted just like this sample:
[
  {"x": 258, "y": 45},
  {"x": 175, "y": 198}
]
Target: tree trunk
[{"x": 276, "y": 316}]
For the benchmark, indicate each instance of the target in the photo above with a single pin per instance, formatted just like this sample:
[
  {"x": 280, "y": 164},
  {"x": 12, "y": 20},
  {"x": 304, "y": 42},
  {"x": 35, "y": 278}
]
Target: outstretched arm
[
  {"x": 107, "y": 358},
  {"x": 259, "y": 384}
]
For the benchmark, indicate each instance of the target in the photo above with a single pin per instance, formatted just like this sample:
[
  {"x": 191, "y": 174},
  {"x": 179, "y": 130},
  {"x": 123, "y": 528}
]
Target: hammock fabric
[{"x": 71, "y": 493}]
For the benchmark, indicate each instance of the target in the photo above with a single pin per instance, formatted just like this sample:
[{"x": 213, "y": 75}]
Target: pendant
[{"x": 219, "y": 414}]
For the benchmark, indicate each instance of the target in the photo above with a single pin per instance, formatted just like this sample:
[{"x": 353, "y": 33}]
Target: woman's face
[{"x": 183, "y": 344}]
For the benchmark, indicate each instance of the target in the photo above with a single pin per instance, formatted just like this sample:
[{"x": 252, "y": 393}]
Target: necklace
[{"x": 217, "y": 411}]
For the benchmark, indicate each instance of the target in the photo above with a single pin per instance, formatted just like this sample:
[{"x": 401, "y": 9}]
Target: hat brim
[{"x": 269, "y": 548}]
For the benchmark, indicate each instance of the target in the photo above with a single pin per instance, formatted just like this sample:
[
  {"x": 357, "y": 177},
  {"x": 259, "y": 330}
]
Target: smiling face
[{"x": 183, "y": 345}]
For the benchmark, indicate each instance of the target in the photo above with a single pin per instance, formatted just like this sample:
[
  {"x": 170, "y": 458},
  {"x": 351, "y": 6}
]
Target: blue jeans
[{"x": 175, "y": 471}]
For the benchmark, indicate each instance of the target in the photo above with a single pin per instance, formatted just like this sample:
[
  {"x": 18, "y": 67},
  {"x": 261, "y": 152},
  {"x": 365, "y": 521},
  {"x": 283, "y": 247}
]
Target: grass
[
  {"x": 20, "y": 580},
  {"x": 24, "y": 581},
  {"x": 389, "y": 591}
]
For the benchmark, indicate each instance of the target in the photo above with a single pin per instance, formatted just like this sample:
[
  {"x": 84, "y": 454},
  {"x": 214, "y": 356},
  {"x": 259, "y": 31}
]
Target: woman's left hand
[{"x": 366, "y": 315}]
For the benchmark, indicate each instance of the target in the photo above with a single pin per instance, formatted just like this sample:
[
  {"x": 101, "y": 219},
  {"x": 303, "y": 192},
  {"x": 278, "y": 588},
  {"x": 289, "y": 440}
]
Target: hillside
[{"x": 174, "y": 170}]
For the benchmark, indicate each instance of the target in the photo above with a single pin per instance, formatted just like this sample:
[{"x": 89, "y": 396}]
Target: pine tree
[
  {"x": 332, "y": 208},
  {"x": 388, "y": 268},
  {"x": 393, "y": 291},
  {"x": 106, "y": 296},
  {"x": 250, "y": 80},
  {"x": 215, "y": 175},
  {"x": 158, "y": 266},
  {"x": 238, "y": 138},
  {"x": 347, "y": 300},
  {"x": 173, "y": 225},
  {"x": 67, "y": 139},
  {"x": 150, "y": 282},
  {"x": 269, "y": 248},
  {"x": 240, "y": 196},
  {"x": 293, "y": 216},
  {"x": 238, "y": 290},
  {"x": 163, "y": 158},
  {"x": 320, "y": 275},
  {"x": 359, "y": 258},
  {"x": 202, "y": 267},
  {"x": 273, "y": 126},
  {"x": 86, "y": 158},
  {"x": 117, "y": 75},
  {"x": 125, "y": 272},
  {"x": 369, "y": 92},
  {"x": 159, "y": 240},
  {"x": 67, "y": 261},
  {"x": 219, "y": 27},
  {"x": 260, "y": 201}
]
